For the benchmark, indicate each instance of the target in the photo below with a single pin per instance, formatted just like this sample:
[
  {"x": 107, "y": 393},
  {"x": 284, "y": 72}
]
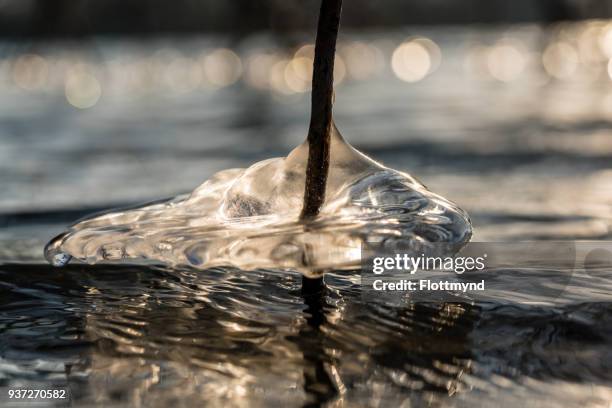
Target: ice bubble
[{"x": 249, "y": 218}]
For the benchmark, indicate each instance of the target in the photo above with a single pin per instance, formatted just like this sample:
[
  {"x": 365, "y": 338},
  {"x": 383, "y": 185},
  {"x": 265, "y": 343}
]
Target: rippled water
[
  {"x": 527, "y": 159},
  {"x": 146, "y": 335}
]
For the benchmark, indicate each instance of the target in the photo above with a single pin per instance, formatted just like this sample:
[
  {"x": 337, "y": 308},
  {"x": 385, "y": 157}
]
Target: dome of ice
[{"x": 249, "y": 218}]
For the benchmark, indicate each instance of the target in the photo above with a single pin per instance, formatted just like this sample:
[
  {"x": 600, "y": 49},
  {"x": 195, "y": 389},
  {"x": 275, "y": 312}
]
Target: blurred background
[{"x": 503, "y": 107}]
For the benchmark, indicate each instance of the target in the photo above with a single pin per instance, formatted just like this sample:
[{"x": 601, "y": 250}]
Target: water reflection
[{"x": 149, "y": 336}]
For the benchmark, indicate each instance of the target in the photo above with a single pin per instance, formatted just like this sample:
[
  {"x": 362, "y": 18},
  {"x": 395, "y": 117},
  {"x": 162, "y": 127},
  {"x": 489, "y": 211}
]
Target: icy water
[{"x": 525, "y": 149}]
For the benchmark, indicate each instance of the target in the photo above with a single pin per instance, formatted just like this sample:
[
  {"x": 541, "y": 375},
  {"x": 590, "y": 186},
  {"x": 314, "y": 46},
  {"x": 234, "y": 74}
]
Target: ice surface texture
[{"x": 249, "y": 218}]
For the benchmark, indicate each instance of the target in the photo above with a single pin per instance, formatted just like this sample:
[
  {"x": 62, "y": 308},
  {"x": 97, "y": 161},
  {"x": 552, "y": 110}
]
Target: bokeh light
[
  {"x": 506, "y": 61},
  {"x": 298, "y": 74},
  {"x": 222, "y": 67},
  {"x": 305, "y": 51},
  {"x": 362, "y": 60},
  {"x": 605, "y": 40},
  {"x": 588, "y": 44},
  {"x": 560, "y": 60},
  {"x": 30, "y": 72},
  {"x": 580, "y": 52},
  {"x": 435, "y": 54},
  {"x": 411, "y": 61},
  {"x": 277, "y": 79},
  {"x": 610, "y": 69},
  {"x": 258, "y": 68},
  {"x": 82, "y": 88}
]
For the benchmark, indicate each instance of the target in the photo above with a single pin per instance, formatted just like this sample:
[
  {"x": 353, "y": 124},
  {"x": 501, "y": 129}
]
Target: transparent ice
[{"x": 249, "y": 218}]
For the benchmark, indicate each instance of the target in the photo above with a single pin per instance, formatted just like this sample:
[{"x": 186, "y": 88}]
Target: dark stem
[
  {"x": 316, "y": 380},
  {"x": 319, "y": 131}
]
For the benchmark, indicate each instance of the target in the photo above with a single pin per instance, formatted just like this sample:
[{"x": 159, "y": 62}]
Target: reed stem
[{"x": 321, "y": 122}]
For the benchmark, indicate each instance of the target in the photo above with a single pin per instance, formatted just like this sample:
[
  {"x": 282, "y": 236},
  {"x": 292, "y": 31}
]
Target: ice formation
[{"x": 249, "y": 218}]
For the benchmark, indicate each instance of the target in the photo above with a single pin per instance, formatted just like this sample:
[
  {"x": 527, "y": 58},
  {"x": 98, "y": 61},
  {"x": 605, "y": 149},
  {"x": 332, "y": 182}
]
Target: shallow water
[{"x": 528, "y": 159}]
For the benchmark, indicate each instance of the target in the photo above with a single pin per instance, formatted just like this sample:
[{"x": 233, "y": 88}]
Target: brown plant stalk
[{"x": 321, "y": 122}]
